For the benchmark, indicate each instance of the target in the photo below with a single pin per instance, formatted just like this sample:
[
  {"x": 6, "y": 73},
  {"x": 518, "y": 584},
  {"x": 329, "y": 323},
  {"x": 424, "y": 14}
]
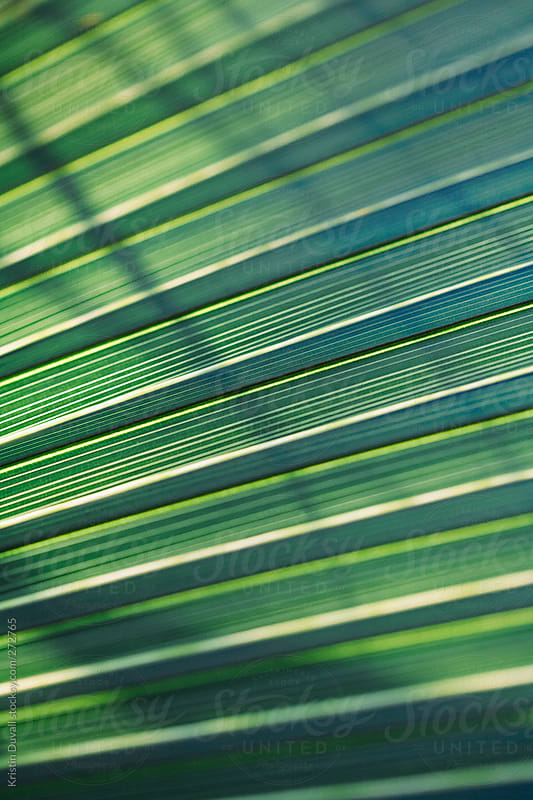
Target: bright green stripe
[
  {"x": 273, "y": 184},
  {"x": 284, "y": 573},
  {"x": 328, "y": 163},
  {"x": 63, "y": 51},
  {"x": 486, "y": 213},
  {"x": 281, "y": 477},
  {"x": 221, "y": 400},
  {"x": 341, "y": 363},
  {"x": 273, "y": 78},
  {"x": 456, "y": 629}
]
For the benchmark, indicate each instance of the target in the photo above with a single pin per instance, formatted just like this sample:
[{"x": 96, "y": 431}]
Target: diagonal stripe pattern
[{"x": 266, "y": 380}]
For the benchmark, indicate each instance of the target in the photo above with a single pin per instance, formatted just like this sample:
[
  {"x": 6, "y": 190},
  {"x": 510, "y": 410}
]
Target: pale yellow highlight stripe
[
  {"x": 212, "y": 53},
  {"x": 292, "y": 279},
  {"x": 493, "y": 774},
  {"x": 18, "y": 420},
  {"x": 10, "y": 11},
  {"x": 381, "y": 643},
  {"x": 334, "y": 117},
  {"x": 149, "y": 480},
  {"x": 57, "y": 237},
  {"x": 336, "y": 520},
  {"x": 141, "y": 391},
  {"x": 218, "y": 50},
  {"x": 283, "y": 139},
  {"x": 133, "y": 92},
  {"x": 239, "y": 257},
  {"x": 493, "y": 680},
  {"x": 74, "y": 45},
  {"x": 323, "y": 467},
  {"x": 292, "y": 627}
]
